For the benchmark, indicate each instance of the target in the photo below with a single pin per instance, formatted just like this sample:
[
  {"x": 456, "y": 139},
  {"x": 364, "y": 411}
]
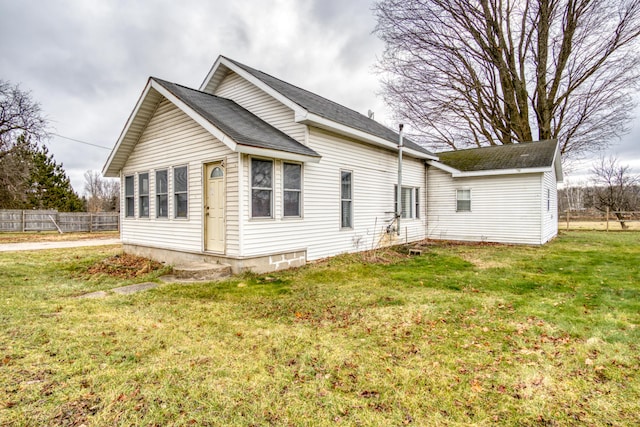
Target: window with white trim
[
  {"x": 180, "y": 192},
  {"x": 292, "y": 189},
  {"x": 129, "y": 197},
  {"x": 143, "y": 195},
  {"x": 346, "y": 199},
  {"x": 162, "y": 196},
  {"x": 410, "y": 206},
  {"x": 261, "y": 188},
  {"x": 548, "y": 199},
  {"x": 463, "y": 200}
]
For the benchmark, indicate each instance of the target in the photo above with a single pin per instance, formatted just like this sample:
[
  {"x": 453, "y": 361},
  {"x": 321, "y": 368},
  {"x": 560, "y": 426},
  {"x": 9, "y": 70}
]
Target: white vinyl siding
[
  {"x": 319, "y": 231},
  {"x": 262, "y": 105},
  {"x": 505, "y": 208},
  {"x": 172, "y": 139}
]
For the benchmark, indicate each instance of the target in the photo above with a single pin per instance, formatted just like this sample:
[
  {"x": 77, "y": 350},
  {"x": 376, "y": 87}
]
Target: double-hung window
[
  {"x": 162, "y": 197},
  {"x": 463, "y": 200},
  {"x": 410, "y": 205},
  {"x": 143, "y": 195},
  {"x": 346, "y": 199},
  {"x": 129, "y": 197},
  {"x": 261, "y": 188},
  {"x": 292, "y": 189},
  {"x": 180, "y": 194}
]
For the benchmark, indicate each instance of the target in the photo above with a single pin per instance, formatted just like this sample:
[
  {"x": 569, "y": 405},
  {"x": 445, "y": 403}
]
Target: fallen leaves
[{"x": 125, "y": 266}]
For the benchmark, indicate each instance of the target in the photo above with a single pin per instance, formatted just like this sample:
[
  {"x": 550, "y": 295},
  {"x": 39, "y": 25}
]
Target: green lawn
[{"x": 461, "y": 335}]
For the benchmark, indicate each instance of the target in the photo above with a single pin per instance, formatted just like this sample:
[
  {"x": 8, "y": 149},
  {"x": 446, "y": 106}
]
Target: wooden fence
[
  {"x": 600, "y": 220},
  {"x": 13, "y": 220}
]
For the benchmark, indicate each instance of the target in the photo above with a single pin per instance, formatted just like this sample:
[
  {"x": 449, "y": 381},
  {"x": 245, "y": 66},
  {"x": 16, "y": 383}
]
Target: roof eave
[
  {"x": 210, "y": 84},
  {"x": 323, "y": 123},
  {"x": 128, "y": 137},
  {"x": 277, "y": 154},
  {"x": 455, "y": 173}
]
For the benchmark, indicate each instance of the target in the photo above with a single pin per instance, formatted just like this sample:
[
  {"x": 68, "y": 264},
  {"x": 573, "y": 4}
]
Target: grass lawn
[{"x": 461, "y": 335}]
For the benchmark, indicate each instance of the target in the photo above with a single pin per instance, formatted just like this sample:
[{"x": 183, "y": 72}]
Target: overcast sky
[{"x": 87, "y": 62}]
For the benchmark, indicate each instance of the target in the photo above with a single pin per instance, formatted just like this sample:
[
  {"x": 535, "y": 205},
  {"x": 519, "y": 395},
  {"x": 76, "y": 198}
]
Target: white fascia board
[
  {"x": 501, "y": 172},
  {"x": 443, "y": 167},
  {"x": 455, "y": 173},
  {"x": 105, "y": 169},
  {"x": 255, "y": 81},
  {"x": 276, "y": 154},
  {"x": 211, "y": 73},
  {"x": 321, "y": 122},
  {"x": 222, "y": 137}
]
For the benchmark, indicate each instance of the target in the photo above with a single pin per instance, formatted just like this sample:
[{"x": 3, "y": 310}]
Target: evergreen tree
[
  {"x": 15, "y": 169},
  {"x": 48, "y": 186}
]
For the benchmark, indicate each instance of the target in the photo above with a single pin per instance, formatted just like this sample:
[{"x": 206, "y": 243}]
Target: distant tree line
[{"x": 612, "y": 187}]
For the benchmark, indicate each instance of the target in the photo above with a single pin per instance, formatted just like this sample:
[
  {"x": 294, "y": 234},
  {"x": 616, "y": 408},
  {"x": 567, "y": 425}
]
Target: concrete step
[{"x": 201, "y": 271}]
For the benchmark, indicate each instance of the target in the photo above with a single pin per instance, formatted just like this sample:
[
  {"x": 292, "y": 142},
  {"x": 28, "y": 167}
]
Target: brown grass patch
[{"x": 125, "y": 266}]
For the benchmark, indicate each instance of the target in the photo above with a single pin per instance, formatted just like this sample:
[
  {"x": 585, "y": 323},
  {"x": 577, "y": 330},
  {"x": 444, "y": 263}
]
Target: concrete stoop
[{"x": 198, "y": 272}]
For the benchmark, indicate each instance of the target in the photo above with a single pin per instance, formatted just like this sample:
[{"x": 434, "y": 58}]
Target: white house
[{"x": 259, "y": 174}]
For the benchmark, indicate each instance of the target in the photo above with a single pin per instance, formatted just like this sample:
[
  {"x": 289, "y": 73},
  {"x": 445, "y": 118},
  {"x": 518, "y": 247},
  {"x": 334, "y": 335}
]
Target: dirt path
[{"x": 35, "y": 246}]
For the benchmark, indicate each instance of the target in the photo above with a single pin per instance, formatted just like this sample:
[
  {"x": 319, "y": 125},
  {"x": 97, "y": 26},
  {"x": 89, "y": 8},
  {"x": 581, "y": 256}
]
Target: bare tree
[
  {"x": 103, "y": 195},
  {"x": 490, "y": 72},
  {"x": 615, "y": 188},
  {"x": 22, "y": 128}
]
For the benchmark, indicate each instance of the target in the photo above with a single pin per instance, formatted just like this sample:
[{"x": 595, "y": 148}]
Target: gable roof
[
  {"x": 233, "y": 125},
  {"x": 311, "y": 108},
  {"x": 524, "y": 157},
  {"x": 236, "y": 122}
]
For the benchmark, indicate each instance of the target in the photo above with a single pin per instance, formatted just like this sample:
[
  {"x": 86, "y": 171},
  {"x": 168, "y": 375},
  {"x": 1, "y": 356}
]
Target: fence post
[
  {"x": 23, "y": 221},
  {"x": 567, "y": 219},
  {"x": 90, "y": 222},
  {"x": 607, "y": 218}
]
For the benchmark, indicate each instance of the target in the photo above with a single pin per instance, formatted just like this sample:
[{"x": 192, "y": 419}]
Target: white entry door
[{"x": 214, "y": 207}]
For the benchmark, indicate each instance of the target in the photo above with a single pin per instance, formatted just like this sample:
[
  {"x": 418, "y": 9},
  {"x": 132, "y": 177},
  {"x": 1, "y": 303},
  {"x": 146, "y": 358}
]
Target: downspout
[{"x": 399, "y": 190}]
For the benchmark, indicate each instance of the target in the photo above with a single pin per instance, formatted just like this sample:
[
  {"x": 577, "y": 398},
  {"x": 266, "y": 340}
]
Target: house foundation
[{"x": 256, "y": 264}]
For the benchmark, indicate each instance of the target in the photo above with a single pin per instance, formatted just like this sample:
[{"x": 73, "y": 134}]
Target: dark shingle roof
[
  {"x": 524, "y": 155},
  {"x": 328, "y": 109},
  {"x": 236, "y": 122}
]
